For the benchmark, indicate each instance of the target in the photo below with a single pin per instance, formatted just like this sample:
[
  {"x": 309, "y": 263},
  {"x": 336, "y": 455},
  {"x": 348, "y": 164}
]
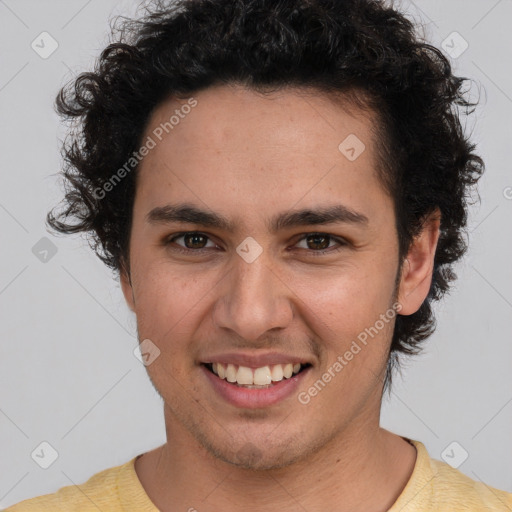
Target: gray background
[{"x": 68, "y": 373}]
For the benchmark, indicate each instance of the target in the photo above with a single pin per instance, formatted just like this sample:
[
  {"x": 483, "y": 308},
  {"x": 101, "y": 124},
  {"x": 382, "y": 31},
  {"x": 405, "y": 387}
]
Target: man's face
[{"x": 203, "y": 298}]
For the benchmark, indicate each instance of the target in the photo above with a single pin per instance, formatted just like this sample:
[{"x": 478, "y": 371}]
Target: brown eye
[
  {"x": 318, "y": 244},
  {"x": 192, "y": 242},
  {"x": 317, "y": 241}
]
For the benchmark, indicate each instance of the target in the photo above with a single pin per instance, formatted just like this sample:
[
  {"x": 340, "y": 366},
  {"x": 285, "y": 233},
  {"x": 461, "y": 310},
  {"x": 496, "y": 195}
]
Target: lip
[
  {"x": 250, "y": 398},
  {"x": 255, "y": 360}
]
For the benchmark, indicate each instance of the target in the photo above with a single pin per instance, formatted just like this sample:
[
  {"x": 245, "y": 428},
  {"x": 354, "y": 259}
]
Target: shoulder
[
  {"x": 436, "y": 486},
  {"x": 100, "y": 492},
  {"x": 452, "y": 487}
]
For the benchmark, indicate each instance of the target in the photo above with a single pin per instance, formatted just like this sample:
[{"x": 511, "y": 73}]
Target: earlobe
[
  {"x": 417, "y": 268},
  {"x": 126, "y": 286}
]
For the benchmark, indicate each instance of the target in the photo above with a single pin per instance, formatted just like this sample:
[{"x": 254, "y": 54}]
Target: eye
[
  {"x": 319, "y": 243},
  {"x": 193, "y": 241}
]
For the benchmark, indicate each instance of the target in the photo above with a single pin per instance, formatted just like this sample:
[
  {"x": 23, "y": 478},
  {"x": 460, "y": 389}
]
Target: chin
[
  {"x": 251, "y": 457},
  {"x": 257, "y": 455}
]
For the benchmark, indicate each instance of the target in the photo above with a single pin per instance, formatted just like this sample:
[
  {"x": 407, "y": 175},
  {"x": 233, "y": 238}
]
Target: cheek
[
  {"x": 168, "y": 300},
  {"x": 347, "y": 300},
  {"x": 343, "y": 312},
  {"x": 167, "y": 309}
]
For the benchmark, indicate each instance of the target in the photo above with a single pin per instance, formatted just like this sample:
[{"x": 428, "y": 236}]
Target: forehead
[
  {"x": 246, "y": 149},
  {"x": 294, "y": 117}
]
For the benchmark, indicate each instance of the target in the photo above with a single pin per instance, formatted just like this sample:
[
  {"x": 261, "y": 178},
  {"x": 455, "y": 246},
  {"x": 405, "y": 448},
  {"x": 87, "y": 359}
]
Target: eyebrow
[{"x": 187, "y": 213}]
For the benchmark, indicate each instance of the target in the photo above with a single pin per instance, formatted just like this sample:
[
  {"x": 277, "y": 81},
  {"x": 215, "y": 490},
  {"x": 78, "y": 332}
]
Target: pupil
[
  {"x": 317, "y": 240},
  {"x": 194, "y": 237}
]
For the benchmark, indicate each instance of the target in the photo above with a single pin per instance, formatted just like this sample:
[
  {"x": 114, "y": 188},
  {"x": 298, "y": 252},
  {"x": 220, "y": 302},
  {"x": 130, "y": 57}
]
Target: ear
[
  {"x": 126, "y": 286},
  {"x": 418, "y": 266}
]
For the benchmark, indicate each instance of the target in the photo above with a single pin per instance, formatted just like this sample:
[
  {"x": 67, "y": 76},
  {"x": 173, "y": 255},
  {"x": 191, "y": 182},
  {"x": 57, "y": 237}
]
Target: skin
[{"x": 249, "y": 157}]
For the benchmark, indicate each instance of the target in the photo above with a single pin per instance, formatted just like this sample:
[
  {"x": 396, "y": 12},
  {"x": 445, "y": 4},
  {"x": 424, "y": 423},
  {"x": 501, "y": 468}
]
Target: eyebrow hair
[{"x": 187, "y": 213}]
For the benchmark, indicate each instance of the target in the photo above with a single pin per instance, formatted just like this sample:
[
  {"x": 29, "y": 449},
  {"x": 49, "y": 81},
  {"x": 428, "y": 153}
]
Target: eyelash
[{"x": 342, "y": 243}]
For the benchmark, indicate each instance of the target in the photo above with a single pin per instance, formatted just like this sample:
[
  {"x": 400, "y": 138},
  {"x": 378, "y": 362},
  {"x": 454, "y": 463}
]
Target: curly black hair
[{"x": 363, "y": 49}]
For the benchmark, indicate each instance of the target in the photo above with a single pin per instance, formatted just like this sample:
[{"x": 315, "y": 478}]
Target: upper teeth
[{"x": 258, "y": 376}]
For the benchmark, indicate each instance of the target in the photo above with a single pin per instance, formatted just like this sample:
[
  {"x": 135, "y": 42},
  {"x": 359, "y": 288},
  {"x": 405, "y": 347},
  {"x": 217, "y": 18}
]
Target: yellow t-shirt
[{"x": 434, "y": 486}]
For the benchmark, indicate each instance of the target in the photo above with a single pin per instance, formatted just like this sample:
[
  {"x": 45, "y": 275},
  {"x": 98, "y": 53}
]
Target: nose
[{"x": 254, "y": 299}]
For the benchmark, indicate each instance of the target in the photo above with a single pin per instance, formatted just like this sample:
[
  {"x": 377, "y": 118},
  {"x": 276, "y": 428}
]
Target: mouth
[
  {"x": 252, "y": 380},
  {"x": 255, "y": 378}
]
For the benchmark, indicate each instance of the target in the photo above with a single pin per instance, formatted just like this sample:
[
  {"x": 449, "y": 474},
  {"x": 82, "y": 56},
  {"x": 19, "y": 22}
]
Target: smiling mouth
[{"x": 259, "y": 378}]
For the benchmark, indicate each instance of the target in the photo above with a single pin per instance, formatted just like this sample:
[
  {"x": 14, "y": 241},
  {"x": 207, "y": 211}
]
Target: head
[{"x": 249, "y": 113}]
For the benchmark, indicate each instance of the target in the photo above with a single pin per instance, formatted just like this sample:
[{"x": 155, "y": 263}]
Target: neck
[{"x": 362, "y": 468}]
